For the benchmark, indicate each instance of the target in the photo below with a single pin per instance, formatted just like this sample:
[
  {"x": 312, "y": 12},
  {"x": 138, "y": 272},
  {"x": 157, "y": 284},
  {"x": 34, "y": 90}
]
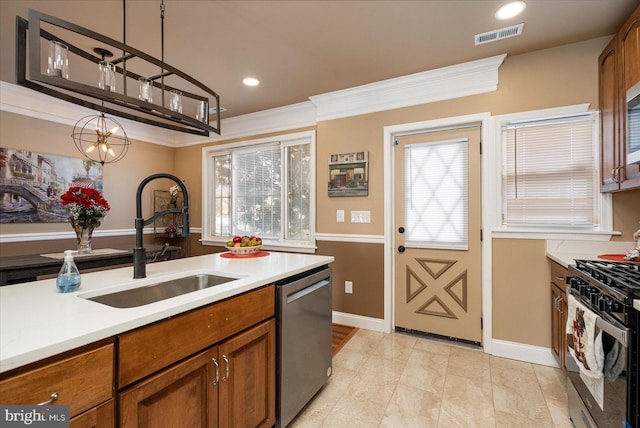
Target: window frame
[
  {"x": 603, "y": 200},
  {"x": 283, "y": 141}
]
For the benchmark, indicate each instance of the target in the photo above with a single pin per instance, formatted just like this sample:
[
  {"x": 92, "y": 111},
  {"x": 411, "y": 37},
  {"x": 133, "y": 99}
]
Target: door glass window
[{"x": 436, "y": 195}]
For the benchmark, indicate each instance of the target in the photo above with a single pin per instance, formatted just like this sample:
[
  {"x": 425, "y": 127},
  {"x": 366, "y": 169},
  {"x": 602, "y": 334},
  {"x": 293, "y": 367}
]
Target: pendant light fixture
[
  {"x": 172, "y": 99},
  {"x": 100, "y": 139}
]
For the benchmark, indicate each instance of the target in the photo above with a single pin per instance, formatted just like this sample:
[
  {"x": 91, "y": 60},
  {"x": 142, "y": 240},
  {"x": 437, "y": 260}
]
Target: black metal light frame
[{"x": 140, "y": 111}]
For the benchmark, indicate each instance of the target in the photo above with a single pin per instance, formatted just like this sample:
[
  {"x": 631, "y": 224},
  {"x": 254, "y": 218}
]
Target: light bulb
[
  {"x": 104, "y": 147},
  {"x": 111, "y": 152},
  {"x": 90, "y": 148},
  {"x": 114, "y": 130}
]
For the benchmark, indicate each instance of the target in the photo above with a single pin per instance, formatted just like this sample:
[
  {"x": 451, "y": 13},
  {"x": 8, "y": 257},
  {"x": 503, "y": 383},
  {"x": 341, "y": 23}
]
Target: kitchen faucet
[{"x": 139, "y": 252}]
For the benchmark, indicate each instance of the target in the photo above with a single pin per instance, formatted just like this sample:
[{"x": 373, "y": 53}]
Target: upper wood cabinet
[{"x": 619, "y": 70}]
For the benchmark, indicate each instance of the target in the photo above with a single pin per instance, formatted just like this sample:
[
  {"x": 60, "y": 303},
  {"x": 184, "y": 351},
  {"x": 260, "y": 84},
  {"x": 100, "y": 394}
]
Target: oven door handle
[{"x": 621, "y": 335}]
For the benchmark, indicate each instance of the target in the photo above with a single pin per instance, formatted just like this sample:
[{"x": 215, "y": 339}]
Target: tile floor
[{"x": 397, "y": 380}]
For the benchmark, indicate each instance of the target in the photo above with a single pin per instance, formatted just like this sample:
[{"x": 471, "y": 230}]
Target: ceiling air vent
[{"x": 502, "y": 33}]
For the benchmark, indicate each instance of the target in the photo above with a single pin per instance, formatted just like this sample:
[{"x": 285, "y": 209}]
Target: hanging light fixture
[
  {"x": 100, "y": 139},
  {"x": 183, "y": 105}
]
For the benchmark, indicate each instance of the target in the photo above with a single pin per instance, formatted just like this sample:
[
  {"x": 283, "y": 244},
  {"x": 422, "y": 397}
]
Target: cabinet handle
[
  {"x": 226, "y": 371},
  {"x": 53, "y": 397},
  {"x": 215, "y": 363},
  {"x": 560, "y": 278}
]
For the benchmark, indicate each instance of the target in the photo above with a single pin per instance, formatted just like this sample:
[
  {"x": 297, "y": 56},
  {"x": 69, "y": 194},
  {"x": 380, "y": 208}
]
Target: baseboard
[
  {"x": 523, "y": 352},
  {"x": 367, "y": 323}
]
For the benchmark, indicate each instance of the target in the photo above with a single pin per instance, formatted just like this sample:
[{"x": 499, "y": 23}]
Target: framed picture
[
  {"x": 31, "y": 184},
  {"x": 348, "y": 174}
]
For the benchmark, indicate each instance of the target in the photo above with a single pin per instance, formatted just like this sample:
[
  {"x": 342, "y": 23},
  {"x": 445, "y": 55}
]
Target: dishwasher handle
[{"x": 308, "y": 290}]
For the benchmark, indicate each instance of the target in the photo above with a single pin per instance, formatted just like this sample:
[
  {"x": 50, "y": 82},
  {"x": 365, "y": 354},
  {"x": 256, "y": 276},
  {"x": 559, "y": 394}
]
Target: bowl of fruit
[{"x": 244, "y": 245}]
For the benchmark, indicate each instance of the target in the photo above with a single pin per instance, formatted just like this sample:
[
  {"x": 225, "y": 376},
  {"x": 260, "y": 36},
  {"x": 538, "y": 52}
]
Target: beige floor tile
[
  {"x": 395, "y": 346},
  {"x": 395, "y": 380},
  {"x": 381, "y": 371},
  {"x": 434, "y": 346},
  {"x": 552, "y": 382},
  {"x": 350, "y": 359},
  {"x": 466, "y": 403},
  {"x": 411, "y": 407},
  {"x": 559, "y": 413},
  {"x": 509, "y": 420},
  {"x": 426, "y": 371},
  {"x": 472, "y": 364},
  {"x": 521, "y": 399},
  {"x": 318, "y": 408},
  {"x": 362, "y": 405}
]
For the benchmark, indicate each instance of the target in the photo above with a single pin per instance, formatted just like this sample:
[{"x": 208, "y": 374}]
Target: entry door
[{"x": 438, "y": 287}]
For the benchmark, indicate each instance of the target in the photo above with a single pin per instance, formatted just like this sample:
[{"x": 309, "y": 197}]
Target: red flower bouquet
[{"x": 86, "y": 206}]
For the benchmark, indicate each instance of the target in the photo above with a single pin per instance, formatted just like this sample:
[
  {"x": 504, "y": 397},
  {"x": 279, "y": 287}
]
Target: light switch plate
[
  {"x": 340, "y": 216},
  {"x": 360, "y": 216}
]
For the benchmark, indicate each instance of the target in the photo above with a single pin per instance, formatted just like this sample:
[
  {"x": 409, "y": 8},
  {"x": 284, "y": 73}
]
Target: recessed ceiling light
[
  {"x": 510, "y": 10},
  {"x": 250, "y": 81}
]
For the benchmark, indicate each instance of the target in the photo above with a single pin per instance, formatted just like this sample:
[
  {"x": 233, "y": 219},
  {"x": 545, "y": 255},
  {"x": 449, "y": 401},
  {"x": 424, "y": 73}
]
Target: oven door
[{"x": 601, "y": 402}]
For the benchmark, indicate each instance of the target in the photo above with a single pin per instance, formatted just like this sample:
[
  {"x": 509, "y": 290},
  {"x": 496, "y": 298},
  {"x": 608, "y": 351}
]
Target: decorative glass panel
[
  {"x": 221, "y": 200},
  {"x": 298, "y": 159},
  {"x": 436, "y": 194}
]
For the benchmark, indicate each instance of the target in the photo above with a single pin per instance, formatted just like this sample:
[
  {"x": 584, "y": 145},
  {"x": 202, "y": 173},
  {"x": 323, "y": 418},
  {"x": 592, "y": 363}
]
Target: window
[
  {"x": 262, "y": 187},
  {"x": 436, "y": 194},
  {"x": 549, "y": 174}
]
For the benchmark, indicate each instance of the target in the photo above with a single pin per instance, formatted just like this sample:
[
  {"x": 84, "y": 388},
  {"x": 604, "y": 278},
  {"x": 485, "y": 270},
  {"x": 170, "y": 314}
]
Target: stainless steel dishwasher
[{"x": 303, "y": 340}]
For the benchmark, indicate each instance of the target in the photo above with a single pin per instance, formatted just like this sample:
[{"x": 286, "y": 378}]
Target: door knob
[
  {"x": 401, "y": 249},
  {"x": 401, "y": 229}
]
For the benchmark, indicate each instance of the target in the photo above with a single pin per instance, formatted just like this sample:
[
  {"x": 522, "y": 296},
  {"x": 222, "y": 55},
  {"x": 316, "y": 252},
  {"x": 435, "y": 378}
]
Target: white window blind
[
  {"x": 549, "y": 177},
  {"x": 257, "y": 192},
  {"x": 265, "y": 188}
]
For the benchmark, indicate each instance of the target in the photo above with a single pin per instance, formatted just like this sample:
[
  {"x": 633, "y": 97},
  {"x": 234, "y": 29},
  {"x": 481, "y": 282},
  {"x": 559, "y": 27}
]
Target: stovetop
[{"x": 624, "y": 277}]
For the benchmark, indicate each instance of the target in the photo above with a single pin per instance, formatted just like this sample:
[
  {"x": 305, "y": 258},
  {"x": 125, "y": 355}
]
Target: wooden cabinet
[
  {"x": 211, "y": 367},
  {"x": 82, "y": 380},
  {"x": 618, "y": 70},
  {"x": 248, "y": 378},
  {"x": 102, "y": 416},
  {"x": 559, "y": 313}
]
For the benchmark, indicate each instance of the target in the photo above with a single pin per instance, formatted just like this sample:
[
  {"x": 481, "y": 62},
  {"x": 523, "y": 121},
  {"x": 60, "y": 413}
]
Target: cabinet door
[
  {"x": 247, "y": 384},
  {"x": 630, "y": 55},
  {"x": 609, "y": 116},
  {"x": 183, "y": 395}
]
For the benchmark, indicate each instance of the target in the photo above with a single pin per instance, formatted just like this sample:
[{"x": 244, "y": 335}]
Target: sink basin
[{"x": 163, "y": 290}]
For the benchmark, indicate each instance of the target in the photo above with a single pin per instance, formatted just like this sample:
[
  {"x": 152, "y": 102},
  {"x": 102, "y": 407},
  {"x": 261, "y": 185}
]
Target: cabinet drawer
[
  {"x": 81, "y": 381},
  {"x": 559, "y": 275},
  {"x": 151, "y": 348},
  {"x": 102, "y": 416}
]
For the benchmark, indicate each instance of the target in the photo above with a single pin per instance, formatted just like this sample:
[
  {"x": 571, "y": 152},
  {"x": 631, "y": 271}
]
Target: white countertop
[
  {"x": 38, "y": 322},
  {"x": 565, "y": 252}
]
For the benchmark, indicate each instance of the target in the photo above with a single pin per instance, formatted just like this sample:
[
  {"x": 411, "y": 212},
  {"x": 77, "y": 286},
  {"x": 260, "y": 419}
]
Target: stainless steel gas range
[{"x": 602, "y": 365}]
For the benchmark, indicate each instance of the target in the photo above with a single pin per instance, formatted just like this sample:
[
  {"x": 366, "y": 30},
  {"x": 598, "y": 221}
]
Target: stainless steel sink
[{"x": 163, "y": 290}]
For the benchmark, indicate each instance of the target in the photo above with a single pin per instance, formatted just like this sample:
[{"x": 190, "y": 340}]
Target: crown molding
[
  {"x": 461, "y": 80},
  {"x": 278, "y": 119},
  {"x": 27, "y": 102}
]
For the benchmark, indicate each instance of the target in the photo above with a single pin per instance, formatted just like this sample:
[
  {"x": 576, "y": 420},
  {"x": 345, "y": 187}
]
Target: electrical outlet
[
  {"x": 340, "y": 216},
  {"x": 348, "y": 287}
]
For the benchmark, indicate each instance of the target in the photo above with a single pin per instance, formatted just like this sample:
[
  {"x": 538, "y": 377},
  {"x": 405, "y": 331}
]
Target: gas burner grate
[{"x": 621, "y": 275}]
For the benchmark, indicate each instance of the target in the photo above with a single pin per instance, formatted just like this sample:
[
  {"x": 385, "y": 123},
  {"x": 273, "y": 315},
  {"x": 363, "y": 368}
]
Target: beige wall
[
  {"x": 121, "y": 179},
  {"x": 551, "y": 78}
]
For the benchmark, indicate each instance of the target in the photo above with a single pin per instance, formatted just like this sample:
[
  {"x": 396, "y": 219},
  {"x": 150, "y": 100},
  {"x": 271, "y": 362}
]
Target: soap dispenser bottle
[{"x": 69, "y": 276}]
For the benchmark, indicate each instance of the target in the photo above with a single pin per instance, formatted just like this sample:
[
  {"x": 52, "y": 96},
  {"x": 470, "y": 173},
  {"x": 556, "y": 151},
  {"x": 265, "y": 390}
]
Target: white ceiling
[{"x": 298, "y": 49}]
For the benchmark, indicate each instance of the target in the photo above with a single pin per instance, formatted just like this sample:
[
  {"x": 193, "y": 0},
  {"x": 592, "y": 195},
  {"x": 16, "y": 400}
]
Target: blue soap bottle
[{"x": 69, "y": 277}]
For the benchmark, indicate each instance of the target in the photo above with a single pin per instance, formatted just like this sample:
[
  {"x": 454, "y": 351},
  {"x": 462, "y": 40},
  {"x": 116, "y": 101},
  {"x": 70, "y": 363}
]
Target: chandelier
[
  {"x": 126, "y": 86},
  {"x": 100, "y": 139}
]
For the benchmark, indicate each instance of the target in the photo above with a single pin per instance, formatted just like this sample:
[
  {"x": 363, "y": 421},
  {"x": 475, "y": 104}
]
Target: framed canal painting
[
  {"x": 31, "y": 184},
  {"x": 349, "y": 174}
]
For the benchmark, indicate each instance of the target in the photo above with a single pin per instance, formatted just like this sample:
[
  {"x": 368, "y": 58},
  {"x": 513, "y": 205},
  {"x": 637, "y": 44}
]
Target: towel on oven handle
[{"x": 586, "y": 347}]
